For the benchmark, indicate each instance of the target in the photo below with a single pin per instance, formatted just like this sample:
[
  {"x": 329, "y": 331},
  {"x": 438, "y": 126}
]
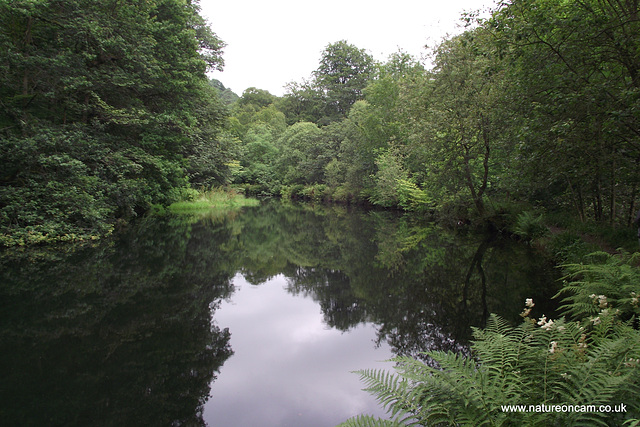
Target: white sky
[{"x": 273, "y": 42}]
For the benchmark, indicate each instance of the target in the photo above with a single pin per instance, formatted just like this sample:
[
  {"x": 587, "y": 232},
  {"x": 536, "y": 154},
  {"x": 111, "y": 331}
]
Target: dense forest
[{"x": 106, "y": 110}]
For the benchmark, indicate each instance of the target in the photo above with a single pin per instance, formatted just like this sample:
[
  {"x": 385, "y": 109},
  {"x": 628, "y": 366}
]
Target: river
[{"x": 256, "y": 317}]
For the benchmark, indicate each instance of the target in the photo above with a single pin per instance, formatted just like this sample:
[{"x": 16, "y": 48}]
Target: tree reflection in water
[
  {"x": 424, "y": 286},
  {"x": 119, "y": 334},
  {"x": 123, "y": 332}
]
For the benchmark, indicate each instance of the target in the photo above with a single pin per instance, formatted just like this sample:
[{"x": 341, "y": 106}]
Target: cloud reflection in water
[{"x": 289, "y": 368}]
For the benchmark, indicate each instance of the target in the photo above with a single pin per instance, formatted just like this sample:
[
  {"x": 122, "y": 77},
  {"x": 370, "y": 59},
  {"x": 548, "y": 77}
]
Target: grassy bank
[
  {"x": 216, "y": 198},
  {"x": 569, "y": 240}
]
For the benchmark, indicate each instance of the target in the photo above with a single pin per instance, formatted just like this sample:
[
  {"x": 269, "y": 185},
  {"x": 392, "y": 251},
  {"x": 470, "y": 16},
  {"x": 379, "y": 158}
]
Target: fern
[
  {"x": 593, "y": 360},
  {"x": 550, "y": 362},
  {"x": 615, "y": 276},
  {"x": 529, "y": 226},
  {"x": 369, "y": 421}
]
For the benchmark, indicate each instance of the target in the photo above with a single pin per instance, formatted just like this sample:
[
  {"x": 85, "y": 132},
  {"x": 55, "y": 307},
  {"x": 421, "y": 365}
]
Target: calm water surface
[{"x": 252, "y": 318}]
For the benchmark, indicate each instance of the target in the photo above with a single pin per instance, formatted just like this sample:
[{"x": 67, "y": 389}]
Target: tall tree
[
  {"x": 338, "y": 82},
  {"x": 462, "y": 128},
  {"x": 577, "y": 67},
  {"x": 343, "y": 73}
]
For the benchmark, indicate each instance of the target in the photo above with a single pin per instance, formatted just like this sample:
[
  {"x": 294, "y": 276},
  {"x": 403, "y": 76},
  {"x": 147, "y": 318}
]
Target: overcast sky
[{"x": 271, "y": 43}]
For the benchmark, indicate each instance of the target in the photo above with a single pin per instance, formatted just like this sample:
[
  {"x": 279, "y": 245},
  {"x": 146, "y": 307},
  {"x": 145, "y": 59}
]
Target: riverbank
[
  {"x": 570, "y": 241},
  {"x": 193, "y": 201},
  {"x": 214, "y": 198}
]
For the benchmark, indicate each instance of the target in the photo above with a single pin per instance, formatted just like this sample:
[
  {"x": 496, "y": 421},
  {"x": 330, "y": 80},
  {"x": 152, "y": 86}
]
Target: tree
[
  {"x": 258, "y": 98},
  {"x": 299, "y": 161},
  {"x": 343, "y": 73},
  {"x": 128, "y": 79},
  {"x": 465, "y": 121},
  {"x": 577, "y": 71},
  {"x": 226, "y": 95},
  {"x": 338, "y": 82}
]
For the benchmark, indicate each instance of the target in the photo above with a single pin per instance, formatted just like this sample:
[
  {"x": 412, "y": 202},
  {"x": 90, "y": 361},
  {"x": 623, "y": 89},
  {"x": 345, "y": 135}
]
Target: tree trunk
[
  {"x": 612, "y": 202},
  {"x": 475, "y": 196},
  {"x": 577, "y": 200}
]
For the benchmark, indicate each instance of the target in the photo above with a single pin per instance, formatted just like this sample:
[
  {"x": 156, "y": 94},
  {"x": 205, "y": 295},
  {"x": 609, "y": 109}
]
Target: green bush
[
  {"x": 412, "y": 198},
  {"x": 290, "y": 192},
  {"x": 70, "y": 183},
  {"x": 315, "y": 193},
  {"x": 342, "y": 194},
  {"x": 567, "y": 246}
]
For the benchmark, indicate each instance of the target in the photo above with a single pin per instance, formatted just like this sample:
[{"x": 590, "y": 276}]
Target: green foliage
[
  {"x": 593, "y": 360},
  {"x": 343, "y": 73},
  {"x": 577, "y": 96},
  {"x": 216, "y": 198},
  {"x": 227, "y": 96},
  {"x": 602, "y": 282},
  {"x": 105, "y": 111},
  {"x": 369, "y": 421},
  {"x": 315, "y": 193},
  {"x": 412, "y": 198},
  {"x": 529, "y": 226},
  {"x": 388, "y": 177},
  {"x": 302, "y": 160},
  {"x": 557, "y": 363},
  {"x": 291, "y": 192}
]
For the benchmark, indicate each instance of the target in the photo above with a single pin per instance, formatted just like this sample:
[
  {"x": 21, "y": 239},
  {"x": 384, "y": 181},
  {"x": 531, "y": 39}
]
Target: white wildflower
[
  {"x": 554, "y": 347},
  {"x": 548, "y": 325},
  {"x": 529, "y": 302},
  {"x": 544, "y": 323},
  {"x": 595, "y": 320},
  {"x": 602, "y": 301},
  {"x": 542, "y": 320}
]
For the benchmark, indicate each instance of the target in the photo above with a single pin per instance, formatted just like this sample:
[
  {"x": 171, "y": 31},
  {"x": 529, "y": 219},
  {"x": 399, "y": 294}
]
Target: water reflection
[
  {"x": 115, "y": 335},
  {"x": 131, "y": 331},
  {"x": 423, "y": 286},
  {"x": 289, "y": 368}
]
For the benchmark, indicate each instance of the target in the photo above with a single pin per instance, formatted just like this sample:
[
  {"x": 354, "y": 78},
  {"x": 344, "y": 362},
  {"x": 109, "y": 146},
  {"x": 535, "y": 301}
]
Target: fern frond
[
  {"x": 389, "y": 389},
  {"x": 369, "y": 421}
]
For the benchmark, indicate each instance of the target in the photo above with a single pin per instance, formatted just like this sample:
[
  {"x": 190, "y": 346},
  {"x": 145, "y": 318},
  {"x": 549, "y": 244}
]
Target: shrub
[
  {"x": 342, "y": 194},
  {"x": 412, "y": 198},
  {"x": 315, "y": 193},
  {"x": 290, "y": 192}
]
